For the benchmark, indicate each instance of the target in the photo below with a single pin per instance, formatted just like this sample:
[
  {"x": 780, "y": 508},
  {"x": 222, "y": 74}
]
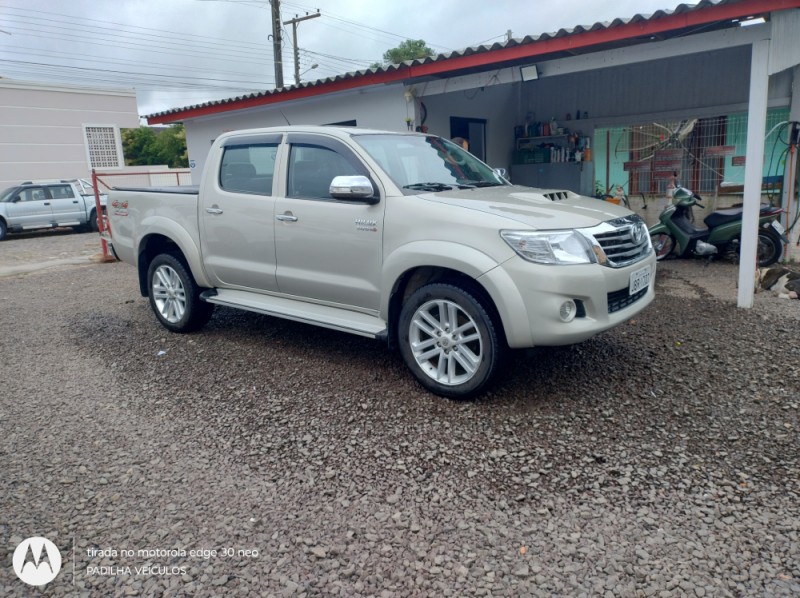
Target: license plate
[
  {"x": 778, "y": 227},
  {"x": 640, "y": 279}
]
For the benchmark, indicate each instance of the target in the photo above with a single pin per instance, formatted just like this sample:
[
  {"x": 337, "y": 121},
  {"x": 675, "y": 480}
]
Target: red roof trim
[{"x": 574, "y": 41}]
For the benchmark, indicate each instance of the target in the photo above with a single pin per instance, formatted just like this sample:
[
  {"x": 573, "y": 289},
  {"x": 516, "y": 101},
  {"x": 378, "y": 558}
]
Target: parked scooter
[{"x": 676, "y": 232}]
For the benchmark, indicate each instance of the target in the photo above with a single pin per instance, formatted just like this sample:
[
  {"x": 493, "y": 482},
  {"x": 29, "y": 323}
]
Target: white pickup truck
[
  {"x": 403, "y": 237},
  {"x": 47, "y": 204}
]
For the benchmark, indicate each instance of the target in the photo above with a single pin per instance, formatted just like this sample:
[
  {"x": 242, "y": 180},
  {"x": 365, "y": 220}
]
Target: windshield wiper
[
  {"x": 441, "y": 186},
  {"x": 481, "y": 184},
  {"x": 429, "y": 187}
]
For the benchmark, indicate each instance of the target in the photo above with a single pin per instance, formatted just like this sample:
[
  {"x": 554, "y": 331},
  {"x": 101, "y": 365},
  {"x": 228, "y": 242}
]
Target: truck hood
[{"x": 543, "y": 209}]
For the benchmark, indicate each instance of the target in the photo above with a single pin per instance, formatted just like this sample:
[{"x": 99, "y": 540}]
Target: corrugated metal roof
[{"x": 384, "y": 74}]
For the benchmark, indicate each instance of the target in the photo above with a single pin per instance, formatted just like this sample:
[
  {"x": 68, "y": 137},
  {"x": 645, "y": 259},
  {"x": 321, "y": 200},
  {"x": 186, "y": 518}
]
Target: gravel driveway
[{"x": 659, "y": 459}]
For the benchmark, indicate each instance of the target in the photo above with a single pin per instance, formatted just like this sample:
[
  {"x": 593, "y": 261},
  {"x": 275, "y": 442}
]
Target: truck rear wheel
[
  {"x": 449, "y": 340},
  {"x": 175, "y": 296}
]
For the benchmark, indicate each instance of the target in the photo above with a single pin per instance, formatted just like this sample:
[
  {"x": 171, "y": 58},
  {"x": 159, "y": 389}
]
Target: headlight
[{"x": 551, "y": 247}]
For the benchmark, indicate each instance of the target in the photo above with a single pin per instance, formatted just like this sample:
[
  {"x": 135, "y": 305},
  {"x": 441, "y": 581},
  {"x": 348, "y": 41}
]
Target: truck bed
[{"x": 135, "y": 212}]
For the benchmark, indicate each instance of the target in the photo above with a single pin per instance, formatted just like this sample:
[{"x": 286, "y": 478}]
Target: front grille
[
  {"x": 625, "y": 240},
  {"x": 621, "y": 299}
]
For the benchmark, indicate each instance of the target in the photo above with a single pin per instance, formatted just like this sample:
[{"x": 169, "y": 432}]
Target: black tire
[
  {"x": 175, "y": 296},
  {"x": 769, "y": 248},
  {"x": 93, "y": 222},
  {"x": 663, "y": 245},
  {"x": 440, "y": 359},
  {"x": 3, "y": 229}
]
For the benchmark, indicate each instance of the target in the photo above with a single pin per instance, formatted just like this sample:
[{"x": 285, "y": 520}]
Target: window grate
[
  {"x": 102, "y": 145},
  {"x": 705, "y": 152}
]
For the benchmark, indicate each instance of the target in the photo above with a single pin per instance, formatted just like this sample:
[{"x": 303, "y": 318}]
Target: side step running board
[{"x": 334, "y": 318}]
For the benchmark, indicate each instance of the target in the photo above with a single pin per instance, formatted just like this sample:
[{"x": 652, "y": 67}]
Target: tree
[
  {"x": 147, "y": 146},
  {"x": 138, "y": 146},
  {"x": 410, "y": 49}
]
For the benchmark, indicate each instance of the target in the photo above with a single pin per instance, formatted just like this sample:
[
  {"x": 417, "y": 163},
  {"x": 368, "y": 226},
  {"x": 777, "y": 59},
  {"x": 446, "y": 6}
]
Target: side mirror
[
  {"x": 15, "y": 199},
  {"x": 354, "y": 188}
]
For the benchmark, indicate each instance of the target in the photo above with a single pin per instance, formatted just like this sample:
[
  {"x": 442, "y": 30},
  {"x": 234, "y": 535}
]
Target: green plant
[{"x": 598, "y": 188}]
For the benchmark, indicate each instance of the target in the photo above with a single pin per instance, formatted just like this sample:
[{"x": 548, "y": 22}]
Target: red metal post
[{"x": 101, "y": 219}]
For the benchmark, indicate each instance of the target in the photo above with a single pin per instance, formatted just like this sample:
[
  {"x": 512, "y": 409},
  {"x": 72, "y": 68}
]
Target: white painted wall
[
  {"x": 41, "y": 127},
  {"x": 380, "y": 107}
]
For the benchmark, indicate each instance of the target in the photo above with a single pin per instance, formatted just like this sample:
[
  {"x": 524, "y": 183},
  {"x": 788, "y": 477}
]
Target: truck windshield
[
  {"x": 6, "y": 194},
  {"x": 427, "y": 163}
]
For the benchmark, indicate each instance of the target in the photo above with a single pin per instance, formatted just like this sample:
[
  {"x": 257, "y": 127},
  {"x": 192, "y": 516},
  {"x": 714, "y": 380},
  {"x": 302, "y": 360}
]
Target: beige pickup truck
[{"x": 402, "y": 237}]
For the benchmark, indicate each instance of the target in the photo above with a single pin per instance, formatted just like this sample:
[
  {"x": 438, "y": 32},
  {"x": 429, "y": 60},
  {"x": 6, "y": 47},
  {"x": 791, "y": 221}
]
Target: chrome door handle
[
  {"x": 286, "y": 218},
  {"x": 214, "y": 210}
]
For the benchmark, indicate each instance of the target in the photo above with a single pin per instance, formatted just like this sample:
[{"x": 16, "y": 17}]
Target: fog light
[{"x": 567, "y": 310}]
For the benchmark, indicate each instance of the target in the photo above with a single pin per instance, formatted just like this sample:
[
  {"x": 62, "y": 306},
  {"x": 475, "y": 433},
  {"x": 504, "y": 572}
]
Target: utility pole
[
  {"x": 276, "y": 42},
  {"x": 294, "y": 23}
]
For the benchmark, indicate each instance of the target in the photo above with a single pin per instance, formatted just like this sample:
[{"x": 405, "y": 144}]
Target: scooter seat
[{"x": 727, "y": 215}]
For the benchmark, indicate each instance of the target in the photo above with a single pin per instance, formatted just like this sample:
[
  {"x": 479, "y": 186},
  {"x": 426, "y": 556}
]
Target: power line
[
  {"x": 27, "y": 51},
  {"x": 246, "y": 56},
  {"x": 130, "y": 73},
  {"x": 358, "y": 24},
  {"x": 120, "y": 28},
  {"x": 111, "y": 38}
]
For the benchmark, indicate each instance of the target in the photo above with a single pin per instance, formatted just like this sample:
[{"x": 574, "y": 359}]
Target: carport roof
[{"x": 685, "y": 19}]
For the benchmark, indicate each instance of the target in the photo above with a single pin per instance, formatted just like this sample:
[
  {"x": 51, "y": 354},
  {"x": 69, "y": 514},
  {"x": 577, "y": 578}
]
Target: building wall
[
  {"x": 381, "y": 107},
  {"x": 497, "y": 104},
  {"x": 690, "y": 84},
  {"x": 41, "y": 128}
]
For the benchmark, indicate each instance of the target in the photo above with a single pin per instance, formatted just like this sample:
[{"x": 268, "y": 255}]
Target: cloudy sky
[{"x": 182, "y": 52}]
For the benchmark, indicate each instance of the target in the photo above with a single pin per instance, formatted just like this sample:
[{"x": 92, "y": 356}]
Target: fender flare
[
  {"x": 159, "y": 225},
  {"x": 460, "y": 258}
]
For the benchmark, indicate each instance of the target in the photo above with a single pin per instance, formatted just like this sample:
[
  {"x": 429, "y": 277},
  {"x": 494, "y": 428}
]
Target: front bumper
[{"x": 529, "y": 296}]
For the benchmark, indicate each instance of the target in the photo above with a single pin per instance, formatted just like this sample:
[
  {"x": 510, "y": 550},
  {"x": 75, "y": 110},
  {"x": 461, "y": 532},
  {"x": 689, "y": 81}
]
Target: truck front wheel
[
  {"x": 175, "y": 296},
  {"x": 449, "y": 339}
]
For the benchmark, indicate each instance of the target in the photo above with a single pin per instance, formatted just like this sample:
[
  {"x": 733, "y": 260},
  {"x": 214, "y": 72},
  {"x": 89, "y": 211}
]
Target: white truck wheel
[{"x": 449, "y": 340}]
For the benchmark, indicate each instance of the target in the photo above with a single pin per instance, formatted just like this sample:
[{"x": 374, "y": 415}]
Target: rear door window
[
  {"x": 61, "y": 191},
  {"x": 248, "y": 168}
]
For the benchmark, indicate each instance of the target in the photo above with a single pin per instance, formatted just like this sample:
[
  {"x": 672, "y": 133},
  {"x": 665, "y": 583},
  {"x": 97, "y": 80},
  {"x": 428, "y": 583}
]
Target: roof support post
[
  {"x": 788, "y": 195},
  {"x": 753, "y": 172}
]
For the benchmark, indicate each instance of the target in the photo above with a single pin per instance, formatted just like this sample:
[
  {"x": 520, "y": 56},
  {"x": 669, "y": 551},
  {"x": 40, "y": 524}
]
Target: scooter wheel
[
  {"x": 663, "y": 245},
  {"x": 769, "y": 249}
]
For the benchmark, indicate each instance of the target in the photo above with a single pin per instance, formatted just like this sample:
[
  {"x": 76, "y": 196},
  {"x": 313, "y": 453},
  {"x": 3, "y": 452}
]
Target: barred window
[
  {"x": 103, "y": 147},
  {"x": 706, "y": 153}
]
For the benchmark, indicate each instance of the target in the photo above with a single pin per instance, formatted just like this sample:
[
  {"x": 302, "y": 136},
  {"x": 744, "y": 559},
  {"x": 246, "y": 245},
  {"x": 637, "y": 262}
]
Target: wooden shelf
[{"x": 531, "y": 142}]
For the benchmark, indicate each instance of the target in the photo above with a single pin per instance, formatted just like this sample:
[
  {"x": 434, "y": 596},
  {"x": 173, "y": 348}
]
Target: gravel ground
[{"x": 659, "y": 459}]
